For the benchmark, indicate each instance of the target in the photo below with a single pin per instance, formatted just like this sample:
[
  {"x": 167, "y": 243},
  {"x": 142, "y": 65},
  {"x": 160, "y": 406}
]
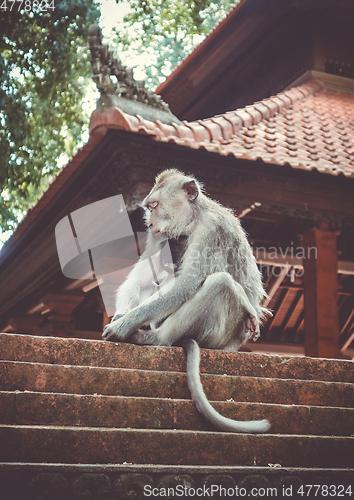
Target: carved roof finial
[{"x": 105, "y": 66}]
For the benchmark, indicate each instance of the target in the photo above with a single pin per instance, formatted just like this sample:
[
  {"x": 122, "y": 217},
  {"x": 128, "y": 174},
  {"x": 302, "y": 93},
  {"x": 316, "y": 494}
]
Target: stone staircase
[{"x": 106, "y": 417}]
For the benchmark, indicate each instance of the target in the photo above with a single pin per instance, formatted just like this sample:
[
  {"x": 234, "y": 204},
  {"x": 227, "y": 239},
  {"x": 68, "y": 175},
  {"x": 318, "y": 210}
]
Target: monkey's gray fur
[{"x": 216, "y": 296}]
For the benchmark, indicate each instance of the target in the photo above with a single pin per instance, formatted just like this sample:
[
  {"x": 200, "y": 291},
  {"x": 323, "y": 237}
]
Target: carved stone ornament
[
  {"x": 126, "y": 482},
  {"x": 129, "y": 95}
]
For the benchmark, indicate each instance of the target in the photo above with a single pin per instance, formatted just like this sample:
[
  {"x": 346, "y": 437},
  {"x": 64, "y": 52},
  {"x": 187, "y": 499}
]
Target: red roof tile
[{"x": 306, "y": 127}]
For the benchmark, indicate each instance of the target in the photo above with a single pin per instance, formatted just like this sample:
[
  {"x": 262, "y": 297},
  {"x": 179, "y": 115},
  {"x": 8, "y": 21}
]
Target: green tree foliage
[
  {"x": 164, "y": 32},
  {"x": 44, "y": 71}
]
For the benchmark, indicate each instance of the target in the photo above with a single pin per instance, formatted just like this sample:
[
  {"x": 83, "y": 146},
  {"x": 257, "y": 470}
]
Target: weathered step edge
[
  {"x": 35, "y": 408},
  {"x": 87, "y": 445},
  {"x": 17, "y": 347},
  {"x": 72, "y": 481},
  {"x": 42, "y": 377}
]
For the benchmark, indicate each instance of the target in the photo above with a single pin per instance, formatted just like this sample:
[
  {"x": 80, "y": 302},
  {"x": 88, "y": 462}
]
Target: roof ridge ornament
[{"x": 128, "y": 94}]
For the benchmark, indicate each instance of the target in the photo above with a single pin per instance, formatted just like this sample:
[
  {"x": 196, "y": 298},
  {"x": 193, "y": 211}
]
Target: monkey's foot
[
  {"x": 144, "y": 337},
  {"x": 252, "y": 327}
]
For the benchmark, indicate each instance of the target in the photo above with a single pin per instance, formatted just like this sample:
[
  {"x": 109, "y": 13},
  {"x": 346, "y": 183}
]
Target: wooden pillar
[
  {"x": 321, "y": 294},
  {"x": 60, "y": 307},
  {"x": 106, "y": 319}
]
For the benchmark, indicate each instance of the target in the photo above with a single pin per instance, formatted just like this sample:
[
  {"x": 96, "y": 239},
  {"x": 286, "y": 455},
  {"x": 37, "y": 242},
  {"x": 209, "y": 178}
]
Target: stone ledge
[
  {"x": 170, "y": 447},
  {"x": 37, "y": 408},
  {"x": 123, "y": 482},
  {"x": 160, "y": 384},
  {"x": 71, "y": 351}
]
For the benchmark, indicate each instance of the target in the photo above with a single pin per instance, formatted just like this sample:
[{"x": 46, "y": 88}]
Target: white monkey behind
[{"x": 216, "y": 296}]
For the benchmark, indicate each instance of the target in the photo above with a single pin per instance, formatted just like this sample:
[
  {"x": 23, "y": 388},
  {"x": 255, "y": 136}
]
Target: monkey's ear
[{"x": 191, "y": 189}]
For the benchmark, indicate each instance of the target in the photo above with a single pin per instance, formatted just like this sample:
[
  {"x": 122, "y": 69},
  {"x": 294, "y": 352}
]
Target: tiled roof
[{"x": 306, "y": 127}]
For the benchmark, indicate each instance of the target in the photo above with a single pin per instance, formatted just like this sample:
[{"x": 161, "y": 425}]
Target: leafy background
[{"x": 45, "y": 79}]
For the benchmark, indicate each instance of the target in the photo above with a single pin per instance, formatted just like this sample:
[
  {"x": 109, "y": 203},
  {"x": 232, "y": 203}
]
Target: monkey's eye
[{"x": 152, "y": 205}]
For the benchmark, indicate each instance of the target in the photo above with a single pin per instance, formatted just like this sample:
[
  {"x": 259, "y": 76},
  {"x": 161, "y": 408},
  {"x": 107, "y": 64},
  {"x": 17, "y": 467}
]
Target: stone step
[
  {"x": 140, "y": 446},
  {"x": 41, "y": 377},
  {"x": 79, "y": 401},
  {"x": 124, "y": 482},
  {"x": 35, "y": 408},
  {"x": 53, "y": 350}
]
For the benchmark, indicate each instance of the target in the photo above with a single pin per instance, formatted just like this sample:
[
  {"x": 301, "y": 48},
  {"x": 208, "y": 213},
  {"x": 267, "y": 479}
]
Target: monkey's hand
[
  {"x": 119, "y": 329},
  {"x": 252, "y": 327}
]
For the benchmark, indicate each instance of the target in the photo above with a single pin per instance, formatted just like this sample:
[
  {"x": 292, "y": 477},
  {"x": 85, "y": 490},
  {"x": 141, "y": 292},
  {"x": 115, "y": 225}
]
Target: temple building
[{"x": 262, "y": 114}]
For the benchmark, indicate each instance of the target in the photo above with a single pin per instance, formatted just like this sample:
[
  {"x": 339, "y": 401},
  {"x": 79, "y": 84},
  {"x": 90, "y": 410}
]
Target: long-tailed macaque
[{"x": 210, "y": 298}]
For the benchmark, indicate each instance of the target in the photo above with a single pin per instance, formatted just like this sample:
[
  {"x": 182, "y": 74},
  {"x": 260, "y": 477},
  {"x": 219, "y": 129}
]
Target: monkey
[{"x": 210, "y": 298}]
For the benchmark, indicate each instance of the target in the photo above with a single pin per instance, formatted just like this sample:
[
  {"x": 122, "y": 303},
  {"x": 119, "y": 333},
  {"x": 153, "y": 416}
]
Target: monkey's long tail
[{"x": 203, "y": 405}]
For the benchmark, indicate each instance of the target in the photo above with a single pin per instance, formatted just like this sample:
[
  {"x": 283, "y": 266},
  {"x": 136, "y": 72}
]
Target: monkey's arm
[
  {"x": 127, "y": 297},
  {"x": 135, "y": 289},
  {"x": 184, "y": 288}
]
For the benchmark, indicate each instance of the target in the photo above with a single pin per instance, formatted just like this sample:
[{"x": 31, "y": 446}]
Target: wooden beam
[
  {"x": 348, "y": 342},
  {"x": 300, "y": 321},
  {"x": 60, "y": 304},
  {"x": 321, "y": 294},
  {"x": 348, "y": 321},
  {"x": 281, "y": 259},
  {"x": 289, "y": 315},
  {"x": 275, "y": 285},
  {"x": 350, "y": 337},
  {"x": 275, "y": 311}
]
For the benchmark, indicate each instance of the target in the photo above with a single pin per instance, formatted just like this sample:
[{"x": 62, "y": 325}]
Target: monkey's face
[{"x": 169, "y": 210}]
